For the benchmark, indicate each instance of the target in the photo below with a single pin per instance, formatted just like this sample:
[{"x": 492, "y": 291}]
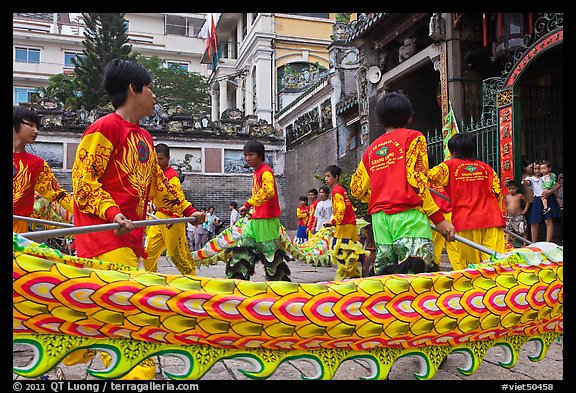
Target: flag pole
[
  {"x": 41, "y": 235},
  {"x": 505, "y": 230}
]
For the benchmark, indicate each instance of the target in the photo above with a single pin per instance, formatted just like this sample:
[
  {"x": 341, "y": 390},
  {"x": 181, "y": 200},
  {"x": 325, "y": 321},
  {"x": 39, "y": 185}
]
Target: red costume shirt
[
  {"x": 311, "y": 215},
  {"x": 31, "y": 173},
  {"x": 474, "y": 191},
  {"x": 342, "y": 209},
  {"x": 392, "y": 176},
  {"x": 303, "y": 213},
  {"x": 264, "y": 194},
  {"x": 117, "y": 171}
]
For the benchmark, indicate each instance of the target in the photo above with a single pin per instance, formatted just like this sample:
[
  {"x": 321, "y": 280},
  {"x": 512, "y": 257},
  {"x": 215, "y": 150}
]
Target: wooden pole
[{"x": 41, "y": 235}]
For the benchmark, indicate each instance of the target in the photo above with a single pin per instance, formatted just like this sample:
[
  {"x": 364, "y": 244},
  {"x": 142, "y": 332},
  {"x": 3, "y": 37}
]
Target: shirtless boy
[{"x": 516, "y": 208}]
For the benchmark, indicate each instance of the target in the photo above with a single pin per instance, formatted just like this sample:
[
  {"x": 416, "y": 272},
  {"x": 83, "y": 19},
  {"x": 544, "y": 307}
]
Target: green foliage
[
  {"x": 343, "y": 17},
  {"x": 105, "y": 39},
  {"x": 62, "y": 88},
  {"x": 360, "y": 208},
  {"x": 176, "y": 88}
]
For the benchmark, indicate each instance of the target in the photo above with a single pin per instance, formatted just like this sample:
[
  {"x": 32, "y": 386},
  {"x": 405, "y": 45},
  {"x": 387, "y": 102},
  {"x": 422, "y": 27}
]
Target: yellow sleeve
[
  {"x": 417, "y": 173},
  {"x": 266, "y": 191},
  {"x": 497, "y": 188},
  {"x": 338, "y": 208},
  {"x": 439, "y": 175},
  {"x": 47, "y": 186},
  {"x": 360, "y": 184},
  {"x": 167, "y": 194},
  {"x": 92, "y": 159}
]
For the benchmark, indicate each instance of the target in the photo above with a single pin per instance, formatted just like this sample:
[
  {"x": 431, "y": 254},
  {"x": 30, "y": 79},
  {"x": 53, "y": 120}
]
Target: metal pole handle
[
  {"x": 39, "y": 221},
  {"x": 41, "y": 235},
  {"x": 505, "y": 230},
  {"x": 470, "y": 243}
]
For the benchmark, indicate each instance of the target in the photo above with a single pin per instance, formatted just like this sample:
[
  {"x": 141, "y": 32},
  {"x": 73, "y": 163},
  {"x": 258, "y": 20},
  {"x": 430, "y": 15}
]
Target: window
[
  {"x": 323, "y": 15},
  {"x": 176, "y": 25},
  {"x": 68, "y": 56},
  {"x": 184, "y": 66},
  {"x": 23, "y": 94},
  {"x": 244, "y": 25},
  {"x": 254, "y": 101},
  {"x": 28, "y": 55}
]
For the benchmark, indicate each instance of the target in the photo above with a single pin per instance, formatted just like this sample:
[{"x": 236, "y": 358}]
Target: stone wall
[{"x": 301, "y": 164}]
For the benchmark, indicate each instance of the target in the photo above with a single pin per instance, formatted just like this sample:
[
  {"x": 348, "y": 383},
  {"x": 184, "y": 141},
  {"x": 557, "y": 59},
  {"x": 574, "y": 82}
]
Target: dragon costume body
[{"x": 62, "y": 303}]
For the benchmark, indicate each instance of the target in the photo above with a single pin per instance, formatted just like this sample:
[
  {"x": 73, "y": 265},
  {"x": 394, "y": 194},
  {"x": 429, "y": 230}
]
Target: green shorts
[
  {"x": 262, "y": 229},
  {"x": 390, "y": 227}
]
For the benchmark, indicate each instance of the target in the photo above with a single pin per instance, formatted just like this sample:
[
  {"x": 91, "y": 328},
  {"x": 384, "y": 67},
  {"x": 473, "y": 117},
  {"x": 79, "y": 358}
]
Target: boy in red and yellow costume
[
  {"x": 392, "y": 179},
  {"x": 346, "y": 250},
  {"x": 115, "y": 174},
  {"x": 476, "y": 196},
  {"x": 31, "y": 173},
  {"x": 260, "y": 239},
  {"x": 168, "y": 237}
]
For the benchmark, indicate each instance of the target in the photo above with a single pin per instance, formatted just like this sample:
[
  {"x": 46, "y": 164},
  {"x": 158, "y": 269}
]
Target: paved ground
[{"x": 525, "y": 371}]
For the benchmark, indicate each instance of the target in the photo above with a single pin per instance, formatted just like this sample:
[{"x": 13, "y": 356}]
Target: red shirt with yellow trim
[
  {"x": 117, "y": 171},
  {"x": 342, "y": 209},
  {"x": 174, "y": 180},
  {"x": 303, "y": 213},
  {"x": 392, "y": 176},
  {"x": 264, "y": 194},
  {"x": 311, "y": 215},
  {"x": 31, "y": 173},
  {"x": 474, "y": 190}
]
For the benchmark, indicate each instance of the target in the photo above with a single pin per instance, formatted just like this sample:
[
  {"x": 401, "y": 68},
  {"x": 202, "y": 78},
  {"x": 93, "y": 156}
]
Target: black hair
[
  {"x": 119, "y": 75},
  {"x": 326, "y": 190},
  {"x": 334, "y": 170},
  {"x": 21, "y": 115},
  {"x": 254, "y": 146},
  {"x": 303, "y": 198},
  {"x": 547, "y": 163},
  {"x": 512, "y": 183},
  {"x": 162, "y": 148},
  {"x": 463, "y": 145},
  {"x": 211, "y": 207},
  {"x": 234, "y": 204},
  {"x": 313, "y": 191},
  {"x": 394, "y": 110}
]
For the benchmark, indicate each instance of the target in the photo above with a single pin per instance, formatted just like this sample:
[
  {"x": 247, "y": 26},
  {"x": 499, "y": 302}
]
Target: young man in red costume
[
  {"x": 168, "y": 237},
  {"x": 260, "y": 239},
  {"x": 31, "y": 173},
  {"x": 313, "y": 201},
  {"x": 476, "y": 195},
  {"x": 115, "y": 174},
  {"x": 392, "y": 179},
  {"x": 346, "y": 249}
]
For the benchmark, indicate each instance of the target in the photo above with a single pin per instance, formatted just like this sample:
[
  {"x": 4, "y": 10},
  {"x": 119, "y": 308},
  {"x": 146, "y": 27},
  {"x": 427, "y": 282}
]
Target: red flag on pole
[{"x": 213, "y": 42}]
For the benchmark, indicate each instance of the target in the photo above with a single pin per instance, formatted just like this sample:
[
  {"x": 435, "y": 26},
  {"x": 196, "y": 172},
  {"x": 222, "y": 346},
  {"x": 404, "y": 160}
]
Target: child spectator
[
  {"x": 234, "y": 215},
  {"x": 516, "y": 209},
  {"x": 548, "y": 182},
  {"x": 303, "y": 214},
  {"x": 323, "y": 211}
]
